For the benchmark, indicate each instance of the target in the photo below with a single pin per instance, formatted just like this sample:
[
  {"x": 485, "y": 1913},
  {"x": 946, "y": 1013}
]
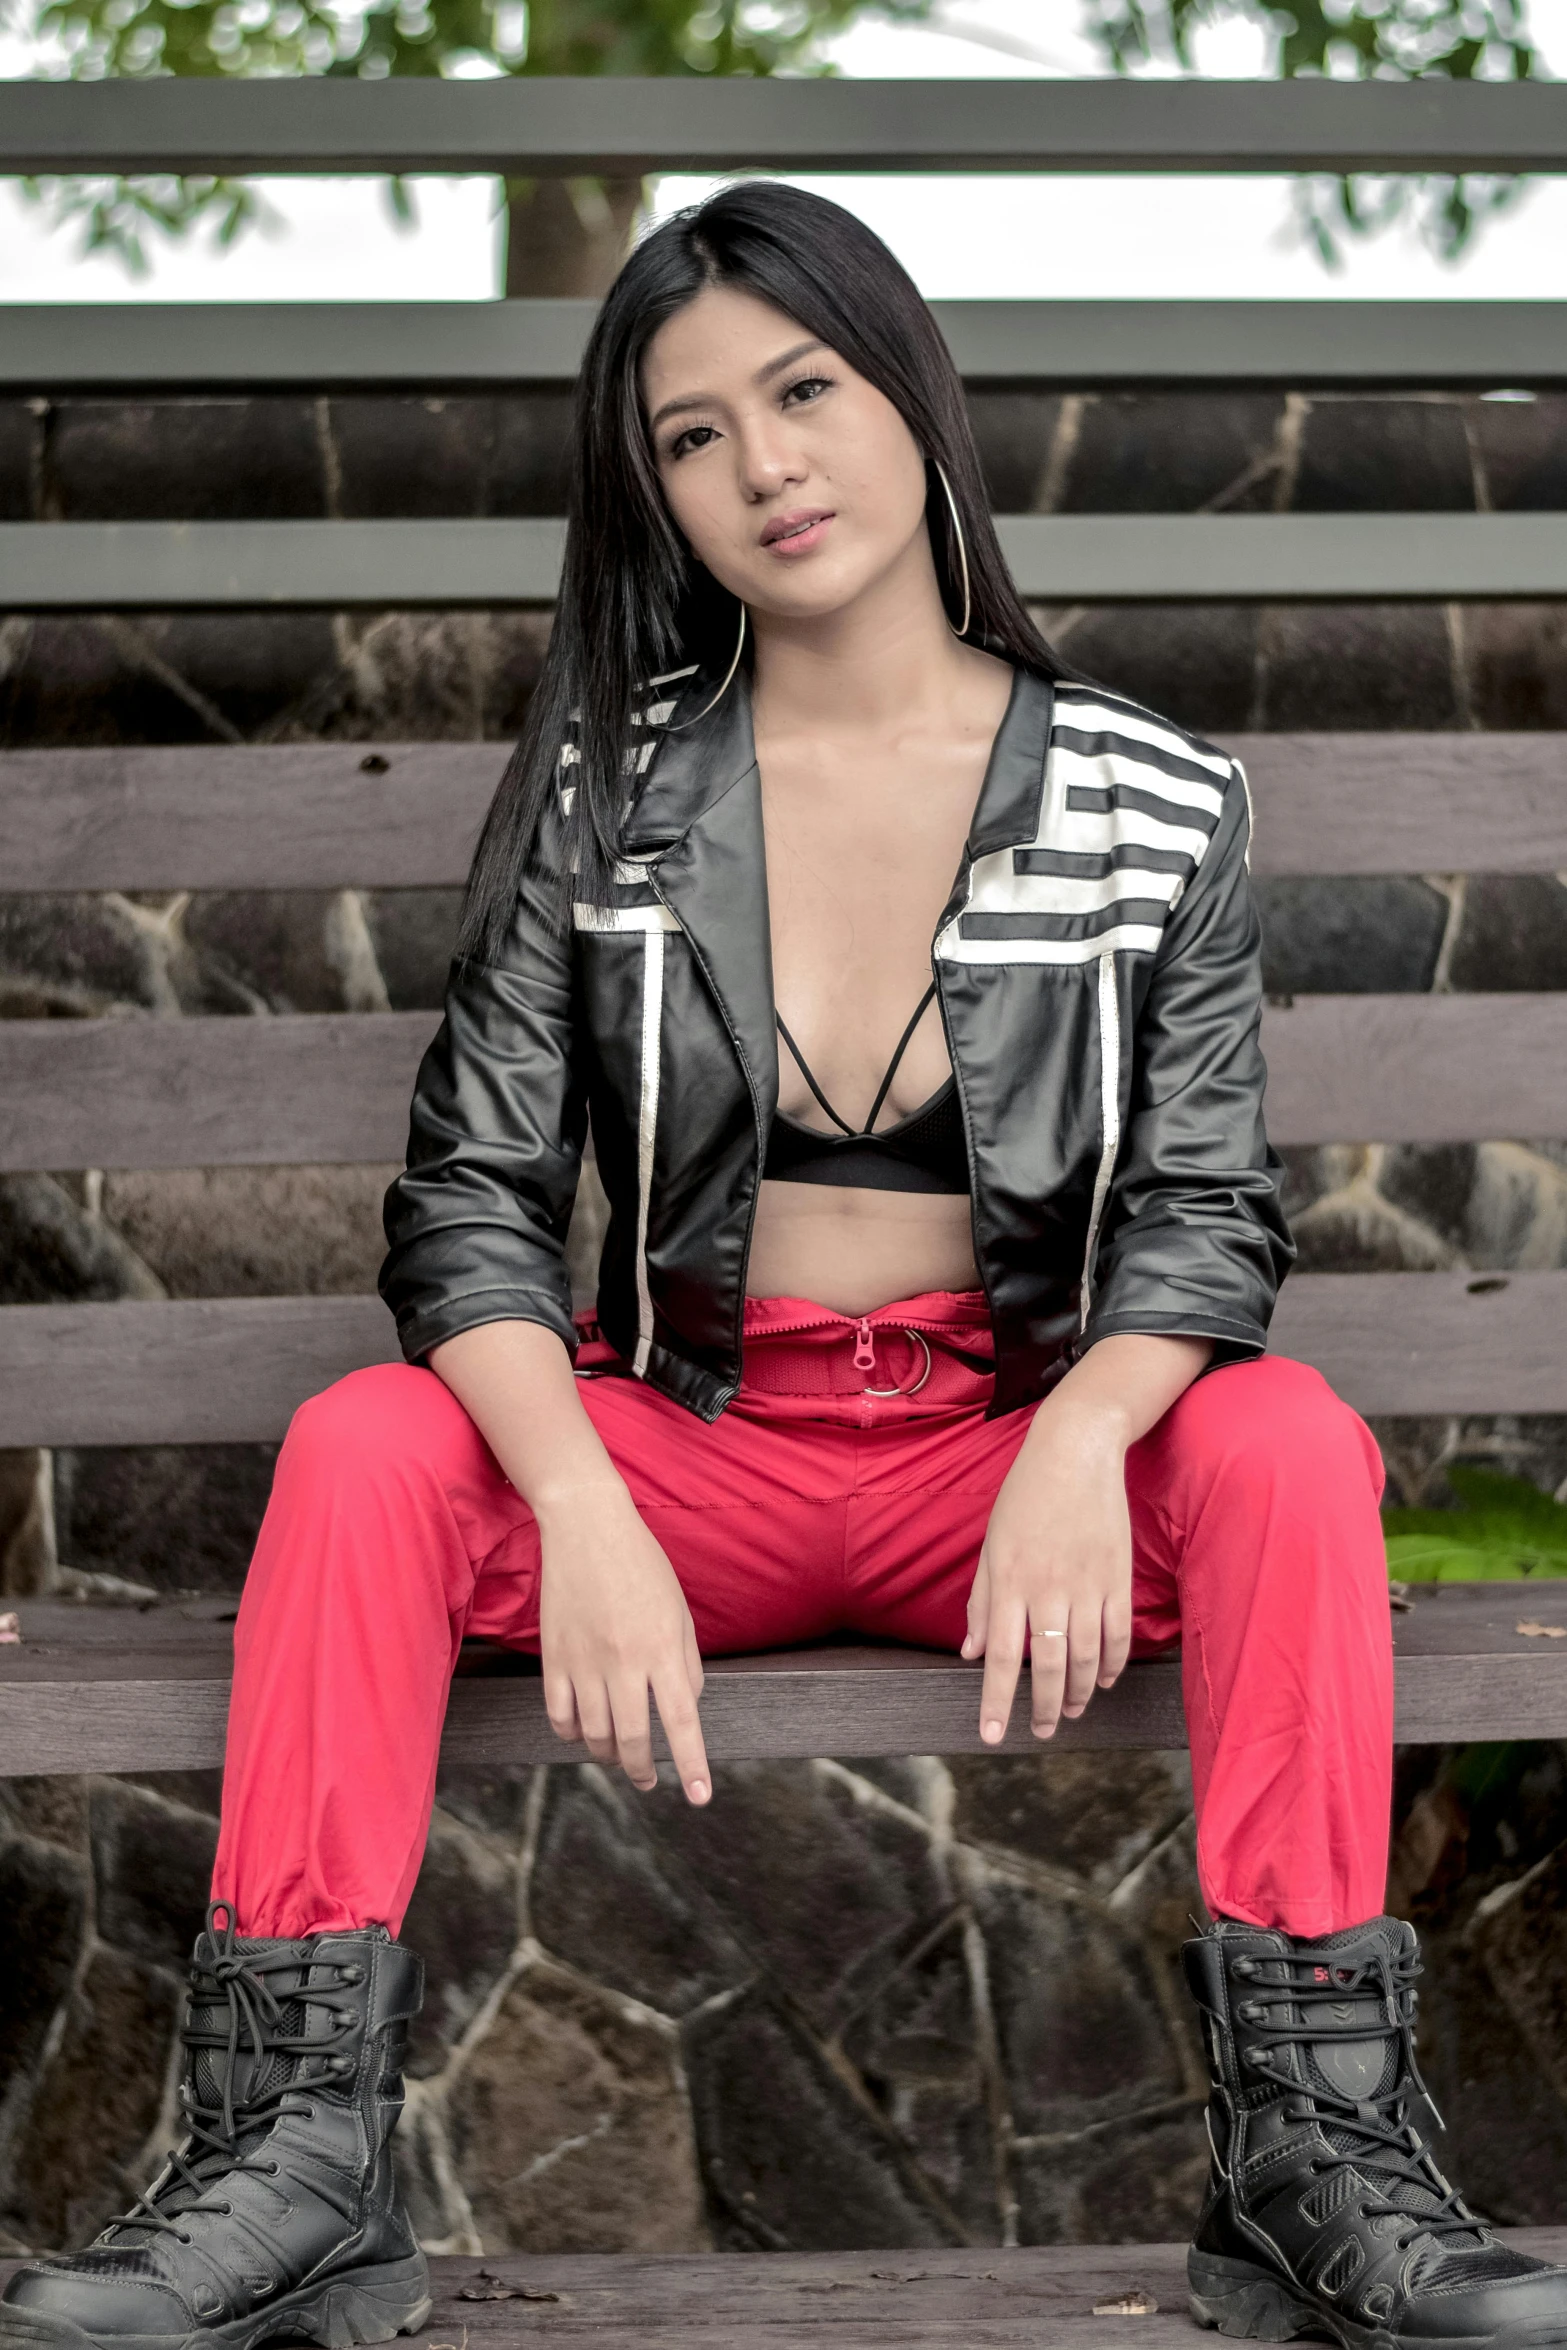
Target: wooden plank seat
[
  {"x": 150, "y": 1092},
  {"x": 117, "y": 1689},
  {"x": 970, "y": 2297}
]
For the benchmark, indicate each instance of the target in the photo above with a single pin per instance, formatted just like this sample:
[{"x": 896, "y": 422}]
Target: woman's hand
[
  {"x": 1055, "y": 1570},
  {"x": 614, "y": 1624},
  {"x": 613, "y": 1621}
]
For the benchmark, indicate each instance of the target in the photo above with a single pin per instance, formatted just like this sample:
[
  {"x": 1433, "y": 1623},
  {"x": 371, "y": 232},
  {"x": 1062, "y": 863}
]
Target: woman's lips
[{"x": 797, "y": 534}]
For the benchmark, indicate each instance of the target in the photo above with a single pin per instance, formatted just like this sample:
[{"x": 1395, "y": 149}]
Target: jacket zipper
[
  {"x": 1110, "y": 1123},
  {"x": 647, "y": 1130},
  {"x": 730, "y": 1388},
  {"x": 968, "y": 1138}
]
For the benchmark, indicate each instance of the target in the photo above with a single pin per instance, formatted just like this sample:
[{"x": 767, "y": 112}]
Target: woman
[{"x": 912, "y": 988}]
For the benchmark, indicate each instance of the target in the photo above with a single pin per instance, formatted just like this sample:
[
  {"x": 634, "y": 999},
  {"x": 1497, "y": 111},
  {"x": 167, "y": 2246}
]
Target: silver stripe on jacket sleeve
[
  {"x": 1251, "y": 813},
  {"x": 1110, "y": 1118},
  {"x": 1131, "y": 938},
  {"x": 1086, "y": 712},
  {"x": 647, "y": 1123}
]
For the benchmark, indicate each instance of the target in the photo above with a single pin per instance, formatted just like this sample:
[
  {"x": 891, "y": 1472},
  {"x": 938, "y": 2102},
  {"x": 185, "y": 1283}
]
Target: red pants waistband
[{"x": 936, "y": 1346}]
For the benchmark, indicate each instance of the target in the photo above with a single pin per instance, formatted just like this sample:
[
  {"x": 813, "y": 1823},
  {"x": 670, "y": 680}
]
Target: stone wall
[{"x": 897, "y": 2004}]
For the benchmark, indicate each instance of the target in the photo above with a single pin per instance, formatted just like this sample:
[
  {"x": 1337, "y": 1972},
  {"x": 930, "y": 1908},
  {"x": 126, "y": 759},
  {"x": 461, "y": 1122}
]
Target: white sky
[{"x": 1093, "y": 237}]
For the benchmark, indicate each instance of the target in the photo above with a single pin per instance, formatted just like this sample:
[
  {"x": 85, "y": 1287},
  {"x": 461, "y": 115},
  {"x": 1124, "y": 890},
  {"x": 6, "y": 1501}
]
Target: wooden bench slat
[
  {"x": 333, "y": 1088},
  {"x": 974, "y": 2298},
  {"x": 194, "y": 1371},
  {"x": 104, "y": 1690},
  {"x": 310, "y": 815},
  {"x": 282, "y": 816},
  {"x": 454, "y": 564},
  {"x": 232, "y": 1370},
  {"x": 978, "y": 2298},
  {"x": 1339, "y": 804},
  {"x": 1416, "y": 1068},
  {"x": 1416, "y": 1343},
  {"x": 323, "y": 1089}
]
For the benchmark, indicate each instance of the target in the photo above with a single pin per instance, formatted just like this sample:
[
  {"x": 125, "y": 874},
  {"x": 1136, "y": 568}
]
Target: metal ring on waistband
[{"x": 883, "y": 1392}]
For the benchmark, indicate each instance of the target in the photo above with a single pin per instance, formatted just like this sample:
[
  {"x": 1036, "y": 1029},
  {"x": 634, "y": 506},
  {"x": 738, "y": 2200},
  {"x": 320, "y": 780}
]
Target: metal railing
[
  {"x": 277, "y": 346},
  {"x": 621, "y": 127},
  {"x": 632, "y": 126}
]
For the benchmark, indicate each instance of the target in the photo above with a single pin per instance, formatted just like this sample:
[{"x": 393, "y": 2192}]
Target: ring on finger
[{"x": 1046, "y": 1634}]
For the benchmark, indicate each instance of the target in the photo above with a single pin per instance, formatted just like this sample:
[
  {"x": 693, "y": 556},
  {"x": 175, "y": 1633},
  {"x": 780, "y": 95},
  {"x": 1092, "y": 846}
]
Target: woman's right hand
[
  {"x": 613, "y": 1620},
  {"x": 614, "y": 1625}
]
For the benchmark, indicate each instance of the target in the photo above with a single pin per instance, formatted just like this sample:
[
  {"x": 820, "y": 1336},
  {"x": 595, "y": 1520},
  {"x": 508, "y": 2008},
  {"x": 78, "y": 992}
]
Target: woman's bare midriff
[{"x": 855, "y": 1251}]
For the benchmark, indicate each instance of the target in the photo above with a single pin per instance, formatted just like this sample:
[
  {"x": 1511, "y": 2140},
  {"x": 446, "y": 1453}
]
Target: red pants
[{"x": 813, "y": 1506}]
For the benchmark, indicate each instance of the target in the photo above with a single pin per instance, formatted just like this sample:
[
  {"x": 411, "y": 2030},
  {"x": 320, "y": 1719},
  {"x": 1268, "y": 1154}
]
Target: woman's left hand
[{"x": 1055, "y": 1572}]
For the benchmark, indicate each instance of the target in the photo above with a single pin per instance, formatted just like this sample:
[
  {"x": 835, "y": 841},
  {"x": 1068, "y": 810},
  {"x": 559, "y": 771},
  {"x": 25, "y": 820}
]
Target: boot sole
[
  {"x": 1251, "y": 2304},
  {"x": 356, "y": 2306},
  {"x": 1237, "y": 2298}
]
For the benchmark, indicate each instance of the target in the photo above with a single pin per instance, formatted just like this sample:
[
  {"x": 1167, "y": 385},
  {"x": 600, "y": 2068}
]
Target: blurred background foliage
[
  {"x": 1500, "y": 1528},
  {"x": 567, "y": 236}
]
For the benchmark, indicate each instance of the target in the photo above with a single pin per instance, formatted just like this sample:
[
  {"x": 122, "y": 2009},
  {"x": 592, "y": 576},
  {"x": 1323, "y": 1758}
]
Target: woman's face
[{"x": 795, "y": 481}]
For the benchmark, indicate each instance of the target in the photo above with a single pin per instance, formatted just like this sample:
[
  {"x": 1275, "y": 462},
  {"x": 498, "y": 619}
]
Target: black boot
[
  {"x": 277, "y": 2214},
  {"x": 1326, "y": 2213}
]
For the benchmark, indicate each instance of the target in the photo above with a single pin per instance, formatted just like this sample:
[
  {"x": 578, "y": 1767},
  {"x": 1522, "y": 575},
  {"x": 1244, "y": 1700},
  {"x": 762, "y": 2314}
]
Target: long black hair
[{"x": 634, "y": 601}]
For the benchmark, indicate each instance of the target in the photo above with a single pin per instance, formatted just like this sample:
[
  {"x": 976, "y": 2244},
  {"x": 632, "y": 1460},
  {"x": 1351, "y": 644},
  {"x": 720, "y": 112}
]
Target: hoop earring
[
  {"x": 961, "y": 631},
  {"x": 729, "y": 675}
]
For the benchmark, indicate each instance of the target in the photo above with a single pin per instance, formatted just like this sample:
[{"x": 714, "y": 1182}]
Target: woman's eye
[
  {"x": 695, "y": 436},
  {"x": 809, "y": 387}
]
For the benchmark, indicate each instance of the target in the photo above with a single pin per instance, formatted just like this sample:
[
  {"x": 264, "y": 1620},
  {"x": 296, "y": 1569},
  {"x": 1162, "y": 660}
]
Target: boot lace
[
  {"x": 286, "y": 2065},
  {"x": 1372, "y": 2137}
]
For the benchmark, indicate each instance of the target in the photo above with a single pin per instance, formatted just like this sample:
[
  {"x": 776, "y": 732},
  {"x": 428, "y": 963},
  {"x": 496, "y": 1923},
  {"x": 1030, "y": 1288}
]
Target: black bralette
[{"x": 926, "y": 1151}]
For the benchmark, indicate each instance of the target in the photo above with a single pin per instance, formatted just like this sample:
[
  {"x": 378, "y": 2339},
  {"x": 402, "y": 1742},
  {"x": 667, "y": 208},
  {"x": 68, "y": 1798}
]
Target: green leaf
[
  {"x": 1457, "y": 40},
  {"x": 215, "y": 40},
  {"x": 1502, "y": 1528}
]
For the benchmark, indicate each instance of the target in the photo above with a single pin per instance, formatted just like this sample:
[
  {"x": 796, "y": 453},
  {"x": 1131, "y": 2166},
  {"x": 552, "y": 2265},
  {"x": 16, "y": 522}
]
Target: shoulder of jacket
[
  {"x": 654, "y": 706},
  {"x": 1122, "y": 728}
]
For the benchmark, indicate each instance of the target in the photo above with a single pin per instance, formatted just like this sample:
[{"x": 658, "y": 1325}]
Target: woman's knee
[
  {"x": 374, "y": 1424},
  {"x": 1274, "y": 1420}
]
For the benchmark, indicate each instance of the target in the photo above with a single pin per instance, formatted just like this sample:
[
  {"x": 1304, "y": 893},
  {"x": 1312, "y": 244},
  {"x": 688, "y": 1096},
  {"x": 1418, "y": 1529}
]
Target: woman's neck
[{"x": 889, "y": 660}]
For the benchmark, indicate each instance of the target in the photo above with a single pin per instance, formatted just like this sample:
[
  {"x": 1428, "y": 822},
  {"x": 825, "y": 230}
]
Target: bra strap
[
  {"x": 865, "y": 1132},
  {"x": 904, "y": 1042},
  {"x": 804, "y": 1069}
]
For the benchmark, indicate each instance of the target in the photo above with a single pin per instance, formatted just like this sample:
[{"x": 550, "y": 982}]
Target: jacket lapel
[
  {"x": 1011, "y": 798},
  {"x": 702, "y": 798},
  {"x": 698, "y": 817}
]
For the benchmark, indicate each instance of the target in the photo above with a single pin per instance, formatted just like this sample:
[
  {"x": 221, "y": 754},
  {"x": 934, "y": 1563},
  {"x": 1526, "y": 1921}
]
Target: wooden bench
[{"x": 145, "y": 1092}]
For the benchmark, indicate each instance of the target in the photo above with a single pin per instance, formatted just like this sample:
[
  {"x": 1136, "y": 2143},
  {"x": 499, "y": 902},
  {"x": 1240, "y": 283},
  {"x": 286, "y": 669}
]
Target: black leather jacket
[{"x": 1098, "y": 975}]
